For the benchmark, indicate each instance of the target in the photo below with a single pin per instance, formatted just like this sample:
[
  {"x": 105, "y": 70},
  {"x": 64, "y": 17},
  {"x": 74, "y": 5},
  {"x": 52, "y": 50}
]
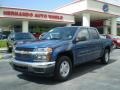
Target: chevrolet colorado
[{"x": 60, "y": 50}]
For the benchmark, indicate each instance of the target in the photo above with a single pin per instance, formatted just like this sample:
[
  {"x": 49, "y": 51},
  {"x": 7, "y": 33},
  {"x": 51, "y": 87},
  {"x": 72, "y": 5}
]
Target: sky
[
  {"x": 35, "y": 4},
  {"x": 48, "y": 5}
]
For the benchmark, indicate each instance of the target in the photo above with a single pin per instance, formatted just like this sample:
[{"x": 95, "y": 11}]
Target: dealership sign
[
  {"x": 16, "y": 13},
  {"x": 33, "y": 15}
]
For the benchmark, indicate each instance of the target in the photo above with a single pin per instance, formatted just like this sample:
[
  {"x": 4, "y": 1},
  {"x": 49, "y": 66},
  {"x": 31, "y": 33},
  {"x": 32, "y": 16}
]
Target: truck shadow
[{"x": 82, "y": 69}]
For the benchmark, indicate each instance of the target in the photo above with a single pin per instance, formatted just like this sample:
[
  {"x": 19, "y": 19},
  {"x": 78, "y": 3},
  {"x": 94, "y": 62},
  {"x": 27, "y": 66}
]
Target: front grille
[{"x": 24, "y": 57}]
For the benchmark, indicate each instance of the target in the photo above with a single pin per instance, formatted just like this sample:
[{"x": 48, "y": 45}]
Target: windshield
[
  {"x": 65, "y": 33},
  {"x": 24, "y": 36}
]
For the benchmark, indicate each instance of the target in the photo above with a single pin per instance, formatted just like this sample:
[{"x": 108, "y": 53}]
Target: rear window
[{"x": 94, "y": 33}]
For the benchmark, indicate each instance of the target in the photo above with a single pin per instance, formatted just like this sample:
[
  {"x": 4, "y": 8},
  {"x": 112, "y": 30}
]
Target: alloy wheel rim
[
  {"x": 107, "y": 57},
  {"x": 64, "y": 69}
]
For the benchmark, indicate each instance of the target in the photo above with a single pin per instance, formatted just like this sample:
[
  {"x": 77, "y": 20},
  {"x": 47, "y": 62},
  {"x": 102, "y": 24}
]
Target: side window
[
  {"x": 83, "y": 35},
  {"x": 94, "y": 33}
]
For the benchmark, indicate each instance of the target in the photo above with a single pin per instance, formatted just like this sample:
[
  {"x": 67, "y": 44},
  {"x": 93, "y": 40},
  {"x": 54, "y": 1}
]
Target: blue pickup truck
[{"x": 60, "y": 50}]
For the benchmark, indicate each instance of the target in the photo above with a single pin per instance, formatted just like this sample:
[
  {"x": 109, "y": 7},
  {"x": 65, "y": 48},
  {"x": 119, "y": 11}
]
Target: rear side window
[
  {"x": 83, "y": 33},
  {"x": 94, "y": 34}
]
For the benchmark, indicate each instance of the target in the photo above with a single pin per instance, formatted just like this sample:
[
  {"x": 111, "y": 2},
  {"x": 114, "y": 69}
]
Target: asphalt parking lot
[{"x": 88, "y": 76}]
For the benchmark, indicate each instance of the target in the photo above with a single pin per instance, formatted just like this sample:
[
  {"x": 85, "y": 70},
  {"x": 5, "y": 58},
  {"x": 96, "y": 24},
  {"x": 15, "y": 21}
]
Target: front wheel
[
  {"x": 9, "y": 49},
  {"x": 106, "y": 57},
  {"x": 63, "y": 68}
]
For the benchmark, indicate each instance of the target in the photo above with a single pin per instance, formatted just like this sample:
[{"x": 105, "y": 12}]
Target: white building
[{"x": 93, "y": 12}]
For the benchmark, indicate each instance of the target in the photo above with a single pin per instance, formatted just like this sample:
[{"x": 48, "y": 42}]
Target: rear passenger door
[{"x": 96, "y": 44}]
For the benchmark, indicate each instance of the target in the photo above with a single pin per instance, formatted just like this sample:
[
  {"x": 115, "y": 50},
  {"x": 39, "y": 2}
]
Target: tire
[
  {"x": 9, "y": 50},
  {"x": 117, "y": 47},
  {"x": 63, "y": 68},
  {"x": 106, "y": 57}
]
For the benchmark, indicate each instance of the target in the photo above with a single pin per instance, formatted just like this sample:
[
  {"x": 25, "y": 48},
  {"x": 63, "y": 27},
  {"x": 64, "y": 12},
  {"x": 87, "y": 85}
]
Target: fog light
[{"x": 44, "y": 57}]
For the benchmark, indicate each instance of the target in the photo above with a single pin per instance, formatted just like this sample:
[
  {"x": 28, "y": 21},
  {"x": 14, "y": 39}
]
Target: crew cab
[{"x": 60, "y": 50}]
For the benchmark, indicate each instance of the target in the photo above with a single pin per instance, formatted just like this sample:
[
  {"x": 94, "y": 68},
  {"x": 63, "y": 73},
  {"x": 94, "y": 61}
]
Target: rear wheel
[
  {"x": 63, "y": 68},
  {"x": 117, "y": 47},
  {"x": 106, "y": 57}
]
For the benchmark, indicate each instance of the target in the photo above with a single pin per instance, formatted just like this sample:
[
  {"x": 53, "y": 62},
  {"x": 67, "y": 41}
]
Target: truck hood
[{"x": 43, "y": 44}]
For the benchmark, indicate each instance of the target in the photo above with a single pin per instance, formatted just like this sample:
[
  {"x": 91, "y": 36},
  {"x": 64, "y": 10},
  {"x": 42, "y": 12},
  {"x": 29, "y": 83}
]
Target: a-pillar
[
  {"x": 25, "y": 26},
  {"x": 86, "y": 19},
  {"x": 113, "y": 26}
]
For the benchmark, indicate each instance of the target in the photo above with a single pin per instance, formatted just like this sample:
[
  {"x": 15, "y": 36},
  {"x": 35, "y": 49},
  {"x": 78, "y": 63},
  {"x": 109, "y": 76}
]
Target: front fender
[{"x": 61, "y": 49}]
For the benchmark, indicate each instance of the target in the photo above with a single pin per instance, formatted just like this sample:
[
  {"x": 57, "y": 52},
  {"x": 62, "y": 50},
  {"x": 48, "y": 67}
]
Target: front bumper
[{"x": 40, "y": 68}]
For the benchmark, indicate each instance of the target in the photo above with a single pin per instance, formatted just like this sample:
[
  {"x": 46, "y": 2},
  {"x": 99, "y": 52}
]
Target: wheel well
[
  {"x": 108, "y": 47},
  {"x": 69, "y": 54}
]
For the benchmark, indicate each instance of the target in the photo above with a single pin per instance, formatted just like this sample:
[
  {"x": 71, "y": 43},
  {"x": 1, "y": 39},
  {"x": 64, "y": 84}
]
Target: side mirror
[{"x": 81, "y": 39}]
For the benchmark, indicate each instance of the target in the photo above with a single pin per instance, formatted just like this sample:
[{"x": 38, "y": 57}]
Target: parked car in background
[
  {"x": 115, "y": 40},
  {"x": 18, "y": 38},
  {"x": 2, "y": 36},
  {"x": 60, "y": 50}
]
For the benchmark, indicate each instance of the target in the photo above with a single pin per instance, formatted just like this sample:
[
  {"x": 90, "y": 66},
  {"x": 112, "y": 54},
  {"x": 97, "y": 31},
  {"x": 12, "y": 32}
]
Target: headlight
[
  {"x": 43, "y": 54},
  {"x": 49, "y": 50}
]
